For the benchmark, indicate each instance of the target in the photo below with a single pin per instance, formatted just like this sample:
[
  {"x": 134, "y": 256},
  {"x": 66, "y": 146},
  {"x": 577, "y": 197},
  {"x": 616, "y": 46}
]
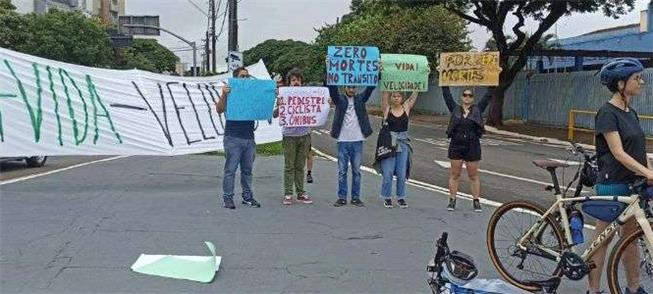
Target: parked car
[{"x": 34, "y": 161}]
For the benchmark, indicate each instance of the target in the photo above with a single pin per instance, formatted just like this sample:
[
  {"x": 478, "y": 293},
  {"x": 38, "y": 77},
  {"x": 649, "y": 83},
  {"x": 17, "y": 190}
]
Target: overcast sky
[{"x": 295, "y": 19}]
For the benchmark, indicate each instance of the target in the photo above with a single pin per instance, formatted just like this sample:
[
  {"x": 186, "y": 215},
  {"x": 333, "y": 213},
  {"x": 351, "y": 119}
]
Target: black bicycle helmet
[{"x": 619, "y": 69}]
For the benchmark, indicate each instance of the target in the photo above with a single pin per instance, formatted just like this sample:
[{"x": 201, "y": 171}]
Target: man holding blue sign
[{"x": 239, "y": 149}]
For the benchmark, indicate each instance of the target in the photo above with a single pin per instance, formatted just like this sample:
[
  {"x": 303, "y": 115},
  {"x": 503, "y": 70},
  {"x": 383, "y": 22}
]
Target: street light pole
[{"x": 191, "y": 44}]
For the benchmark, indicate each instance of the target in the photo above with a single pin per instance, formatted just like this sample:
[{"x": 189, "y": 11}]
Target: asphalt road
[
  {"x": 507, "y": 169},
  {"x": 80, "y": 230}
]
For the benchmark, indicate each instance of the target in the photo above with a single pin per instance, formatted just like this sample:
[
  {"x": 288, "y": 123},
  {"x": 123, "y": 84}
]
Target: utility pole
[
  {"x": 213, "y": 15},
  {"x": 207, "y": 52},
  {"x": 233, "y": 25}
]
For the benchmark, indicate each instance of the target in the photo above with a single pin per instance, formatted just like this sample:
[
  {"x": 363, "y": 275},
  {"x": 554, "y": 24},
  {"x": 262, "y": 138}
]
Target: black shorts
[{"x": 469, "y": 153}]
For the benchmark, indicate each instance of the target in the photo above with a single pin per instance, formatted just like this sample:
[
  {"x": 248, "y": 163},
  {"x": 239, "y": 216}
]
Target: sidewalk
[
  {"x": 560, "y": 134},
  {"x": 80, "y": 230}
]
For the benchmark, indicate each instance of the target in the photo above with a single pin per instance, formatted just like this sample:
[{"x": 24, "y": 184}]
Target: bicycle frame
[{"x": 633, "y": 209}]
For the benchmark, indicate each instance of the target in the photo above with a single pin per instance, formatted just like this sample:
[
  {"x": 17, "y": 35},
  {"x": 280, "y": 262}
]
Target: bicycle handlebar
[{"x": 442, "y": 246}]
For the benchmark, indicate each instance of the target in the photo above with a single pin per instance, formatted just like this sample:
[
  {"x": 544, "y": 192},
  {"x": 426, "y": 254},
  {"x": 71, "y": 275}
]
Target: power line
[
  {"x": 224, "y": 18},
  {"x": 198, "y": 8}
]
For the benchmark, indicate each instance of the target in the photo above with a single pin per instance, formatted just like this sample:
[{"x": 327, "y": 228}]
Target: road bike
[{"x": 533, "y": 248}]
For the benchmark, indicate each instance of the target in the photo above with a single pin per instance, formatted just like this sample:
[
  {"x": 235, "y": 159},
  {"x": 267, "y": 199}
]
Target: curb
[{"x": 543, "y": 139}]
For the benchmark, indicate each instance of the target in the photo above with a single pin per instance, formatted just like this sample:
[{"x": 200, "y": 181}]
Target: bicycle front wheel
[
  {"x": 630, "y": 264},
  {"x": 509, "y": 223}
]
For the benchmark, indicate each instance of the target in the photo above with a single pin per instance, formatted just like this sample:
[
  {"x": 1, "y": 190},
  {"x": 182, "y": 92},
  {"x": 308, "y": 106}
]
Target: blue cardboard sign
[
  {"x": 251, "y": 99},
  {"x": 353, "y": 66}
]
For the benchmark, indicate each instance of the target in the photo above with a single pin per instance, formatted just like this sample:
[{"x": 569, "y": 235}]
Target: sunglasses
[{"x": 468, "y": 95}]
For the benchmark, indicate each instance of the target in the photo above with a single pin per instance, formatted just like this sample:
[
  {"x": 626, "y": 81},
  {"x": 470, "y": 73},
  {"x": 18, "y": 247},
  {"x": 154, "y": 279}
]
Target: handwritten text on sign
[
  {"x": 54, "y": 108},
  {"x": 403, "y": 72},
  {"x": 353, "y": 66},
  {"x": 303, "y": 106},
  {"x": 469, "y": 69}
]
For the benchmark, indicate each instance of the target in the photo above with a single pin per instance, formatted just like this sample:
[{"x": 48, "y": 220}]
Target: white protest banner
[
  {"x": 303, "y": 106},
  {"x": 53, "y": 108}
]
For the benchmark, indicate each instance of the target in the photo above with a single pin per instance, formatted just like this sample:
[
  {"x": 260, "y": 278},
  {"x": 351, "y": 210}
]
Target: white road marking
[
  {"x": 433, "y": 188},
  {"x": 59, "y": 170},
  {"x": 447, "y": 164}
]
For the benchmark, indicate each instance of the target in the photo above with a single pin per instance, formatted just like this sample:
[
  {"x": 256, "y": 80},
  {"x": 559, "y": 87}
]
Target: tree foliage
[
  {"x": 371, "y": 23},
  {"x": 161, "y": 58},
  {"x": 74, "y": 38},
  {"x": 64, "y": 36},
  {"x": 282, "y": 55},
  {"x": 6, "y": 5},
  {"x": 493, "y": 15},
  {"x": 424, "y": 31}
]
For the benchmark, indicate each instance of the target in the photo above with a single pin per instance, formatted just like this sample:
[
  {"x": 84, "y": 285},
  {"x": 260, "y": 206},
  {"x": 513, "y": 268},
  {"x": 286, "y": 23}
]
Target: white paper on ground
[{"x": 194, "y": 268}]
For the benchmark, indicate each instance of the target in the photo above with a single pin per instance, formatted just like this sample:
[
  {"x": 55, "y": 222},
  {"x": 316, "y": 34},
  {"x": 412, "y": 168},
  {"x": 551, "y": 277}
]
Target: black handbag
[{"x": 384, "y": 146}]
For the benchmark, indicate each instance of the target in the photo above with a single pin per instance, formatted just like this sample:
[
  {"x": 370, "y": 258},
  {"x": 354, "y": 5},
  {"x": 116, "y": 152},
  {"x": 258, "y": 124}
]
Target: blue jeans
[
  {"x": 349, "y": 152},
  {"x": 395, "y": 166},
  {"x": 238, "y": 152}
]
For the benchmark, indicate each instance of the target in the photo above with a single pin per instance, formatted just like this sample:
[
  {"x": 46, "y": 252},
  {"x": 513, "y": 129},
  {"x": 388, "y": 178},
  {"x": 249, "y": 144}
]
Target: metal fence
[{"x": 546, "y": 99}]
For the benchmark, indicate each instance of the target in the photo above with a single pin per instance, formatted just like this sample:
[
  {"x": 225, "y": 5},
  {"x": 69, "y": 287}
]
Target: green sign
[{"x": 404, "y": 72}]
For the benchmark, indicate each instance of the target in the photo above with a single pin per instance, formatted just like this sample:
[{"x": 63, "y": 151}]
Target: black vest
[{"x": 474, "y": 115}]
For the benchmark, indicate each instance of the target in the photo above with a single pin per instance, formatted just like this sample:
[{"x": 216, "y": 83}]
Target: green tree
[
  {"x": 129, "y": 58},
  {"x": 493, "y": 15},
  {"x": 282, "y": 55},
  {"x": 424, "y": 31},
  {"x": 161, "y": 58},
  {"x": 63, "y": 36},
  {"x": 6, "y": 4},
  {"x": 13, "y": 27}
]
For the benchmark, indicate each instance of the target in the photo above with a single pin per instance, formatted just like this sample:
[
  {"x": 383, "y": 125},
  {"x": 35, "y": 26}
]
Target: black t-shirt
[
  {"x": 240, "y": 129},
  {"x": 610, "y": 119}
]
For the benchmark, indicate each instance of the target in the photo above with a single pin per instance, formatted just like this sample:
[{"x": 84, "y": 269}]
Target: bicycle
[{"x": 544, "y": 251}]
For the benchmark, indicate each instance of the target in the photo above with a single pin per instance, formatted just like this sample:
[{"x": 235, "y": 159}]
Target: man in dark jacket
[{"x": 351, "y": 126}]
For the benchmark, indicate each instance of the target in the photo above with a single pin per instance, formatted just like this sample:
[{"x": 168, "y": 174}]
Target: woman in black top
[
  {"x": 621, "y": 153},
  {"x": 465, "y": 131},
  {"x": 396, "y": 111}
]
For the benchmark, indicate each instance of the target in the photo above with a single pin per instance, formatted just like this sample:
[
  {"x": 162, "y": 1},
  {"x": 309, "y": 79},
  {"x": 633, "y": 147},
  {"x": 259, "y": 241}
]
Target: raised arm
[
  {"x": 410, "y": 102},
  {"x": 483, "y": 104},
  {"x": 385, "y": 101},
  {"x": 367, "y": 93},
  {"x": 221, "y": 105},
  {"x": 448, "y": 98}
]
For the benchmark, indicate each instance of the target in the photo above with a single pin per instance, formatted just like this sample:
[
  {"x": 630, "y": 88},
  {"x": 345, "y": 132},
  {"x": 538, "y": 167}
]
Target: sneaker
[
  {"x": 229, "y": 203},
  {"x": 304, "y": 199},
  {"x": 452, "y": 205},
  {"x": 387, "y": 203},
  {"x": 287, "y": 200},
  {"x": 597, "y": 292},
  {"x": 402, "y": 203},
  {"x": 252, "y": 203},
  {"x": 477, "y": 205},
  {"x": 639, "y": 291},
  {"x": 309, "y": 178},
  {"x": 340, "y": 202},
  {"x": 357, "y": 202}
]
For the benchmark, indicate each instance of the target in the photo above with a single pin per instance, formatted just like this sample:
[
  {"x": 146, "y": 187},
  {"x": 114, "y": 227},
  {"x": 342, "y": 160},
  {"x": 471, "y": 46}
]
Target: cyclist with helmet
[{"x": 621, "y": 153}]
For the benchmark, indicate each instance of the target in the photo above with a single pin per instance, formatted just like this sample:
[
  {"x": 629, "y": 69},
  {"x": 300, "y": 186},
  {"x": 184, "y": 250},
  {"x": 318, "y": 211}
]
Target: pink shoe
[
  {"x": 287, "y": 200},
  {"x": 304, "y": 199}
]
